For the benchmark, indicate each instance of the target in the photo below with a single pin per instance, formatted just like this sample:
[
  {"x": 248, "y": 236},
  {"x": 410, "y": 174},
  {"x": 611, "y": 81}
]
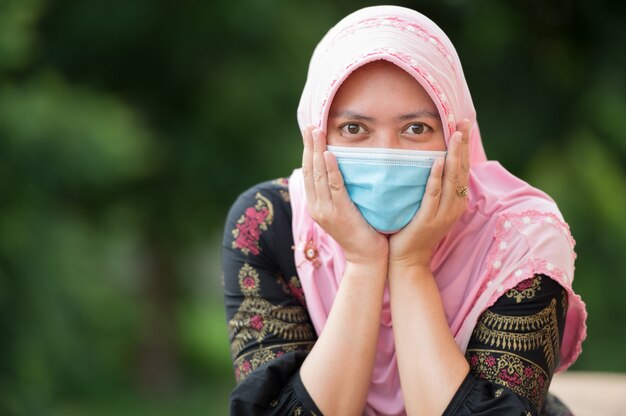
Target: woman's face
[{"x": 381, "y": 105}]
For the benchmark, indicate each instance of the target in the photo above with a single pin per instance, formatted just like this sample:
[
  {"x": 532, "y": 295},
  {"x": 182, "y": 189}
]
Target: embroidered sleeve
[
  {"x": 269, "y": 327},
  {"x": 514, "y": 350}
]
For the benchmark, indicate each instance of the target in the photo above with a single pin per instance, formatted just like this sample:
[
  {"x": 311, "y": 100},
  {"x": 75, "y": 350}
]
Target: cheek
[
  {"x": 435, "y": 142},
  {"x": 333, "y": 138},
  {"x": 439, "y": 142}
]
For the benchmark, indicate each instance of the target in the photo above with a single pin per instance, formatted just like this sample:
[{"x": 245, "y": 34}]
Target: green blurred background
[{"x": 128, "y": 127}]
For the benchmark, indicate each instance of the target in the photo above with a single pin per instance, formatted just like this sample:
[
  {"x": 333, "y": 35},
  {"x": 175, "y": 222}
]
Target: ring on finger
[{"x": 462, "y": 191}]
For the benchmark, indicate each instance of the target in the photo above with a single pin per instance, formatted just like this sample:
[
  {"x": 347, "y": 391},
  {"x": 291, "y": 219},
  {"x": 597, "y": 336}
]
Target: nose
[{"x": 388, "y": 138}]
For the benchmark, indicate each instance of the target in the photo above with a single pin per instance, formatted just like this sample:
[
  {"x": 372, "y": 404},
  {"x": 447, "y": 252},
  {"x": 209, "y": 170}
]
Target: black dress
[{"x": 512, "y": 354}]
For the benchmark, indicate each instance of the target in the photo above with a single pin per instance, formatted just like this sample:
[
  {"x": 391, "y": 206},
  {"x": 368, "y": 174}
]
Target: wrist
[
  {"x": 402, "y": 274},
  {"x": 413, "y": 265},
  {"x": 373, "y": 266},
  {"x": 371, "y": 262},
  {"x": 417, "y": 260},
  {"x": 376, "y": 255}
]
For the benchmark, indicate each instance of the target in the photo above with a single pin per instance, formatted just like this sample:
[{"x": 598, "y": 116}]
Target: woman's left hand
[{"x": 441, "y": 206}]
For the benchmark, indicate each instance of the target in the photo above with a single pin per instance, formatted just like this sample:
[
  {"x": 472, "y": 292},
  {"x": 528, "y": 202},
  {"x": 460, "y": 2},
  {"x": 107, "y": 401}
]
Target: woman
[{"x": 473, "y": 264}]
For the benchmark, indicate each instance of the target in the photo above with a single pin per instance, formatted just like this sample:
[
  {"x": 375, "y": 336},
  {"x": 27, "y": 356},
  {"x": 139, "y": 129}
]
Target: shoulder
[
  {"x": 546, "y": 222},
  {"x": 265, "y": 195},
  {"x": 276, "y": 190},
  {"x": 256, "y": 211}
]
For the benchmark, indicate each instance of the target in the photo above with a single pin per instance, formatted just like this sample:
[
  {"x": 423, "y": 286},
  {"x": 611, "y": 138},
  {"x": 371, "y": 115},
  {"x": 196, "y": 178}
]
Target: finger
[
  {"x": 335, "y": 180},
  {"x": 452, "y": 173},
  {"x": 432, "y": 194},
  {"x": 307, "y": 167},
  {"x": 466, "y": 129},
  {"x": 320, "y": 176},
  {"x": 452, "y": 166},
  {"x": 338, "y": 192}
]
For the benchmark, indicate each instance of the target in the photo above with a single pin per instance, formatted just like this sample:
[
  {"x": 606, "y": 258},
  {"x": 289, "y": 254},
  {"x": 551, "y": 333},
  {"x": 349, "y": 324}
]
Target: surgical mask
[{"x": 386, "y": 185}]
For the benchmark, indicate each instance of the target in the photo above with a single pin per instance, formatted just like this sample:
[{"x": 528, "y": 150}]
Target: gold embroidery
[
  {"x": 523, "y": 376},
  {"x": 250, "y": 225},
  {"x": 255, "y": 355},
  {"x": 298, "y": 411},
  {"x": 284, "y": 195},
  {"x": 249, "y": 280},
  {"x": 293, "y": 287},
  {"x": 252, "y": 360},
  {"x": 491, "y": 328},
  {"x": 499, "y": 392},
  {"x": 525, "y": 289},
  {"x": 263, "y": 202},
  {"x": 281, "y": 282},
  {"x": 257, "y": 317},
  {"x": 296, "y": 289}
]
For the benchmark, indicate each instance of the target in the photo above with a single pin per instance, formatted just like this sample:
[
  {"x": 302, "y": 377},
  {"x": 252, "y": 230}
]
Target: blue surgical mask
[{"x": 386, "y": 185}]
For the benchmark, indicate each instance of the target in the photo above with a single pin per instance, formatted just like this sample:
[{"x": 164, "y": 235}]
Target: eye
[
  {"x": 353, "y": 128},
  {"x": 417, "y": 128}
]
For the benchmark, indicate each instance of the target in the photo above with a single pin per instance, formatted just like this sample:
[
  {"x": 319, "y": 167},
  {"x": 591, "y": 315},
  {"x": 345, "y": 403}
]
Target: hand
[
  {"x": 441, "y": 206},
  {"x": 330, "y": 205}
]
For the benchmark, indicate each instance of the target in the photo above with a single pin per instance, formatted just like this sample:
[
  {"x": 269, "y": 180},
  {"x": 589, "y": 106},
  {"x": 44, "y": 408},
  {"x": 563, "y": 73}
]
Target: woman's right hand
[{"x": 331, "y": 207}]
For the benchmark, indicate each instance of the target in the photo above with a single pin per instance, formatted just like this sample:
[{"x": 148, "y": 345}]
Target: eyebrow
[
  {"x": 419, "y": 114},
  {"x": 351, "y": 115},
  {"x": 356, "y": 116}
]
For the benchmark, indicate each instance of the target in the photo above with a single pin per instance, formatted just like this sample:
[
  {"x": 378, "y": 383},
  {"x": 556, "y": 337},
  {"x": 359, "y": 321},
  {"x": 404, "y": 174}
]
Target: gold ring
[{"x": 462, "y": 191}]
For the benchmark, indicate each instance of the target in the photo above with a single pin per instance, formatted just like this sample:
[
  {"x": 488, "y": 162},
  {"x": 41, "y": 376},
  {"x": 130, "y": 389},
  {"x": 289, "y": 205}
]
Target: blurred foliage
[{"x": 128, "y": 127}]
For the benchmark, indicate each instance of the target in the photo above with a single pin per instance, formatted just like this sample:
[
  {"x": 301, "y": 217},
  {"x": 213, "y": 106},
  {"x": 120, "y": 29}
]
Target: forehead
[{"x": 382, "y": 83}]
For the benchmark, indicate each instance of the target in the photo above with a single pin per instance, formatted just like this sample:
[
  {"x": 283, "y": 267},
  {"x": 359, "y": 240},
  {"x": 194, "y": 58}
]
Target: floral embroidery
[
  {"x": 293, "y": 287},
  {"x": 498, "y": 392},
  {"x": 431, "y": 82},
  {"x": 526, "y": 289},
  {"x": 492, "y": 329},
  {"x": 248, "y": 280},
  {"x": 298, "y": 411},
  {"x": 282, "y": 182},
  {"x": 507, "y": 227},
  {"x": 250, "y": 225},
  {"x": 296, "y": 289},
  {"x": 400, "y": 23},
  {"x": 257, "y": 318},
  {"x": 311, "y": 253},
  {"x": 524, "y": 377},
  {"x": 249, "y": 362},
  {"x": 256, "y": 322},
  {"x": 280, "y": 279}
]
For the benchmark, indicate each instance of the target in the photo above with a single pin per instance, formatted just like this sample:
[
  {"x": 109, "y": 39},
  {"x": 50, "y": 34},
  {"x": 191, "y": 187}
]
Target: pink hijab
[{"x": 510, "y": 231}]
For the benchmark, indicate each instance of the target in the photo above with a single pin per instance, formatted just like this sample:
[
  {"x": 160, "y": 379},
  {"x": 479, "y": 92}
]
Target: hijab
[{"x": 509, "y": 232}]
